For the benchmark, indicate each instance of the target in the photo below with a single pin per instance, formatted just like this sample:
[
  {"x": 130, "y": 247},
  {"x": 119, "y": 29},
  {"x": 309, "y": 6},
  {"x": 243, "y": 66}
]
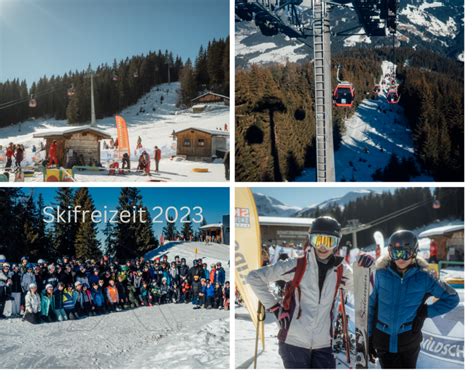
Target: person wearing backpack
[{"x": 312, "y": 284}]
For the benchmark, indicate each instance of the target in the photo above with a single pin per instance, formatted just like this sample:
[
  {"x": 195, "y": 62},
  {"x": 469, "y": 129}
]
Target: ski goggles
[
  {"x": 397, "y": 253},
  {"x": 324, "y": 240}
]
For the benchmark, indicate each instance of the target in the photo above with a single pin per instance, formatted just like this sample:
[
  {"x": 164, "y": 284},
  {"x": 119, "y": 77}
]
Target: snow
[
  {"x": 358, "y": 37},
  {"x": 155, "y": 127},
  {"x": 241, "y": 49},
  {"x": 430, "y": 23},
  {"x": 441, "y": 230},
  {"x": 281, "y": 55},
  {"x": 165, "y": 336}
]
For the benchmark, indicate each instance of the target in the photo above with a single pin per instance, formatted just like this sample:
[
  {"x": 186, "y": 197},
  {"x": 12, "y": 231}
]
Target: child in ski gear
[
  {"x": 210, "y": 291},
  {"x": 59, "y": 303},
  {"x": 185, "y": 291},
  {"x": 32, "y": 305},
  {"x": 313, "y": 281},
  {"x": 113, "y": 296},
  {"x": 157, "y": 158},
  {"x": 202, "y": 293},
  {"x": 47, "y": 304},
  {"x": 98, "y": 300},
  {"x": 227, "y": 296},
  {"x": 69, "y": 301},
  {"x": 397, "y": 308},
  {"x": 165, "y": 291},
  {"x": 195, "y": 289},
  {"x": 145, "y": 296},
  {"x": 219, "y": 296}
]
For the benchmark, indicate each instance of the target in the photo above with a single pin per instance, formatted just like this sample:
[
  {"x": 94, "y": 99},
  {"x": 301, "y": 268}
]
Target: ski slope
[
  {"x": 149, "y": 119},
  {"x": 375, "y": 131},
  {"x": 165, "y": 336}
]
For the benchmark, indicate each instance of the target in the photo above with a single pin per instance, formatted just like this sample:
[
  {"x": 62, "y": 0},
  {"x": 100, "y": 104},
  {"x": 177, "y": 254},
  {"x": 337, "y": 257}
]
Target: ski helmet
[
  {"x": 326, "y": 225},
  {"x": 3, "y": 258},
  {"x": 403, "y": 241}
]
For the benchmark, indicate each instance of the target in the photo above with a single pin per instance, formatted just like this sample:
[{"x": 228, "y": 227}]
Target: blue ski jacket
[{"x": 395, "y": 300}]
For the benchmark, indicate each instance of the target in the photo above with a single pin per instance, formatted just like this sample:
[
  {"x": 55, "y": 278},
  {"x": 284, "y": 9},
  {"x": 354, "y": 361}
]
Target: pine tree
[
  {"x": 64, "y": 233},
  {"x": 187, "y": 229},
  {"x": 146, "y": 240},
  {"x": 86, "y": 244},
  {"x": 43, "y": 241},
  {"x": 170, "y": 231}
]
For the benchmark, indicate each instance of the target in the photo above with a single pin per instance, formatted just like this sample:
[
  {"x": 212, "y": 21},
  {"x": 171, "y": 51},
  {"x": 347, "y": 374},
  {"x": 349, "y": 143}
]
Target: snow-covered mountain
[
  {"x": 341, "y": 201},
  {"x": 431, "y": 24},
  {"x": 269, "y": 206}
]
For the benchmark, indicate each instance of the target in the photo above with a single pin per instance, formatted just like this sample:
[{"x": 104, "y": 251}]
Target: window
[
  {"x": 200, "y": 142},
  {"x": 187, "y": 142}
]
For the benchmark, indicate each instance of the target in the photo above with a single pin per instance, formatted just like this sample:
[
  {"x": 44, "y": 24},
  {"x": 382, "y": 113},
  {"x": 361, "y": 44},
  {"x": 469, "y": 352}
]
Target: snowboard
[{"x": 361, "y": 311}]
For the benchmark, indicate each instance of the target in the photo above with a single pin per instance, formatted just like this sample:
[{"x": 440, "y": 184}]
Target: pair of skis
[{"x": 362, "y": 285}]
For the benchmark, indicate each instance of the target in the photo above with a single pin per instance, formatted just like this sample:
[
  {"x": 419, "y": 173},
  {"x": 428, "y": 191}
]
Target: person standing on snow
[
  {"x": 53, "y": 154},
  {"x": 157, "y": 158},
  {"x": 397, "y": 308},
  {"x": 305, "y": 314}
]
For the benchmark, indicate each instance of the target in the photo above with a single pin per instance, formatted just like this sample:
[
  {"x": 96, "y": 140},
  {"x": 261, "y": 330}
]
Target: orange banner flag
[{"x": 122, "y": 135}]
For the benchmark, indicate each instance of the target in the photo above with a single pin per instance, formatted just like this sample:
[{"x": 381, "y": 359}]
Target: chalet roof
[
  {"x": 68, "y": 131},
  {"x": 210, "y": 93},
  {"x": 441, "y": 231},
  {"x": 208, "y": 131},
  {"x": 211, "y": 226}
]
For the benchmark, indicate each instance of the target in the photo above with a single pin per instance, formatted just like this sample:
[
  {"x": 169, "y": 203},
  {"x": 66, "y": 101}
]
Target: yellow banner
[
  {"x": 122, "y": 135},
  {"x": 248, "y": 255}
]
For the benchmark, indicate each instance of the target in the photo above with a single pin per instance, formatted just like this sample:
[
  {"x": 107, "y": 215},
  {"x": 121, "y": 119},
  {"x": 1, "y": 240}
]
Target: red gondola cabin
[{"x": 344, "y": 94}]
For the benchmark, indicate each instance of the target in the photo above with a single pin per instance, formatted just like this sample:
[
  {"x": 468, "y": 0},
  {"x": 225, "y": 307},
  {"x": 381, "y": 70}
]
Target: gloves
[
  {"x": 282, "y": 316},
  {"x": 372, "y": 351},
  {"x": 365, "y": 260},
  {"x": 420, "y": 318}
]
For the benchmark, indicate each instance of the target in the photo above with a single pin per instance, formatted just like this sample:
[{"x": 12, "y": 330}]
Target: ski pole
[
  {"x": 260, "y": 319},
  {"x": 347, "y": 342}
]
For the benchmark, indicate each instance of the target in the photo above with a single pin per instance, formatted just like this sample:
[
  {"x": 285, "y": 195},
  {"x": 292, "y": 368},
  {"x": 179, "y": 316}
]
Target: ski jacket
[
  {"x": 210, "y": 291},
  {"x": 395, "y": 300},
  {"x": 69, "y": 299},
  {"x": 112, "y": 294},
  {"x": 32, "y": 302},
  {"x": 16, "y": 282},
  {"x": 312, "y": 328},
  {"x": 157, "y": 154},
  {"x": 220, "y": 276},
  {"x": 58, "y": 299},
  {"x": 47, "y": 304},
  {"x": 26, "y": 280}
]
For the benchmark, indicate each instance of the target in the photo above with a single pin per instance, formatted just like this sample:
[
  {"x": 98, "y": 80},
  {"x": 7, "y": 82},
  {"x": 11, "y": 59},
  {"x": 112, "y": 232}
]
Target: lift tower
[{"x": 325, "y": 170}]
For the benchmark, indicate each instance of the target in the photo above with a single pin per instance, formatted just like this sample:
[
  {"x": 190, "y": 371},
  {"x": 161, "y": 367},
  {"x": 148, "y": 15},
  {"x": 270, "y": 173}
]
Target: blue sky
[
  {"x": 303, "y": 197},
  {"x": 214, "y": 201},
  {"x": 45, "y": 37}
]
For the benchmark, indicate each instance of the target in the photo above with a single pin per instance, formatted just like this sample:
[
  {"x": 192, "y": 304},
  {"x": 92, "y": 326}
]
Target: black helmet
[
  {"x": 326, "y": 225},
  {"x": 404, "y": 239}
]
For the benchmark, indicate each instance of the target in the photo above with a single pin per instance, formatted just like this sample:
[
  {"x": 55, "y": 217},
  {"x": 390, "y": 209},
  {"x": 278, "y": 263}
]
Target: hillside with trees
[
  {"x": 116, "y": 86},
  {"x": 374, "y": 206},
  {"x": 275, "y": 114}
]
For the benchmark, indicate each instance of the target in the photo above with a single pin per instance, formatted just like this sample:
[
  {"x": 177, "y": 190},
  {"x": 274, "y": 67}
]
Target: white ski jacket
[{"x": 313, "y": 330}]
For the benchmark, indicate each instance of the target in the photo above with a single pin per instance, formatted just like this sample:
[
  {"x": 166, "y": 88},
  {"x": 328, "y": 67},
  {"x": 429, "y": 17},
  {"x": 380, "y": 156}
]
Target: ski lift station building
[
  {"x": 196, "y": 143},
  {"x": 217, "y": 232},
  {"x": 449, "y": 240},
  {"x": 82, "y": 140},
  {"x": 210, "y": 98}
]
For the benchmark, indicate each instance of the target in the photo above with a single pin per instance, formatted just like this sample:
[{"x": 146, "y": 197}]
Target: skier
[
  {"x": 305, "y": 314},
  {"x": 157, "y": 158},
  {"x": 53, "y": 150},
  {"x": 9, "y": 154},
  {"x": 397, "y": 308},
  {"x": 32, "y": 305},
  {"x": 227, "y": 165}
]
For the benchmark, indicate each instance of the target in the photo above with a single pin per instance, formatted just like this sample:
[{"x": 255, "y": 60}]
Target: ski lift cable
[{"x": 13, "y": 103}]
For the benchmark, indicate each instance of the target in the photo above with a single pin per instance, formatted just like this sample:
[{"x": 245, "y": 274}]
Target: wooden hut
[
  {"x": 196, "y": 143},
  {"x": 210, "y": 98},
  {"x": 83, "y": 142}
]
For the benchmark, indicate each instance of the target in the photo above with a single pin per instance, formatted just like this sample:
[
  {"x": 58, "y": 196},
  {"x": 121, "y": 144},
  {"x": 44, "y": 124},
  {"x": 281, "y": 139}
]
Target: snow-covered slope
[
  {"x": 149, "y": 119},
  {"x": 165, "y": 336},
  {"x": 269, "y": 206},
  {"x": 430, "y": 24},
  {"x": 210, "y": 253}
]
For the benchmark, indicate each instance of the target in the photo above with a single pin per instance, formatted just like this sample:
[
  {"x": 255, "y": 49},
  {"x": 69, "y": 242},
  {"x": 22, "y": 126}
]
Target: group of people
[
  {"x": 14, "y": 152},
  {"x": 397, "y": 308},
  {"x": 73, "y": 289}
]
